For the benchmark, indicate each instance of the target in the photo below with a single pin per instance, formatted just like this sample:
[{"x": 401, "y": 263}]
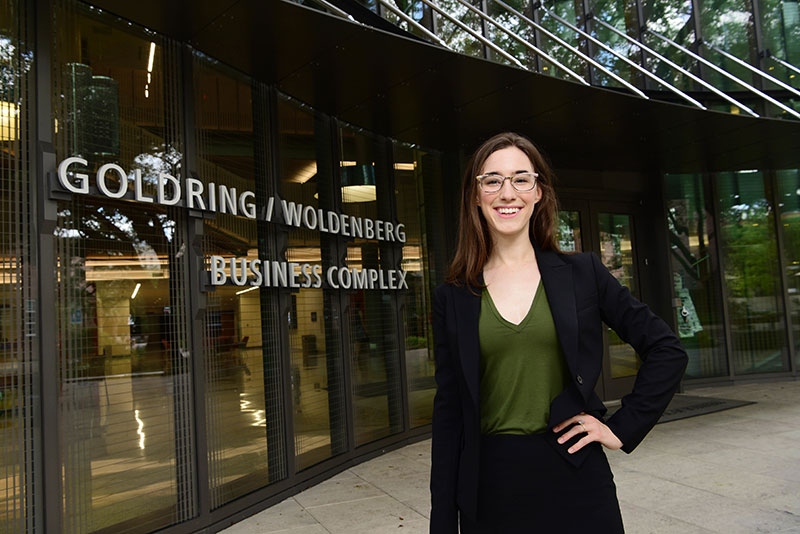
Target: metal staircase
[{"x": 593, "y": 49}]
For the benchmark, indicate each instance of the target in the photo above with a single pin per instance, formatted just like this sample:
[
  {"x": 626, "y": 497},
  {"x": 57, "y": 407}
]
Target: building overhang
[{"x": 423, "y": 94}]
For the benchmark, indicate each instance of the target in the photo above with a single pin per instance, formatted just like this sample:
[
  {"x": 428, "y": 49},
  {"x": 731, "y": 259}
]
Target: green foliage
[{"x": 416, "y": 342}]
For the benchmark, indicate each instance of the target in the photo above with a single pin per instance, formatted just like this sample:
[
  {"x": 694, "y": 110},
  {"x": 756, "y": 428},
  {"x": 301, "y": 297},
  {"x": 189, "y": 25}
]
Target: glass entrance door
[
  {"x": 615, "y": 240},
  {"x": 608, "y": 230}
]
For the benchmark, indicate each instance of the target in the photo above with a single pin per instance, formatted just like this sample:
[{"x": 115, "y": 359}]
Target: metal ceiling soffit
[
  {"x": 722, "y": 71},
  {"x": 623, "y": 58},
  {"x": 635, "y": 42}
]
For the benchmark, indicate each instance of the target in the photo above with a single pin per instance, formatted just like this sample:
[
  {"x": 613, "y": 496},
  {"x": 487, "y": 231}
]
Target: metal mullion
[
  {"x": 642, "y": 23},
  {"x": 31, "y": 374},
  {"x": 590, "y": 49},
  {"x": 698, "y": 34},
  {"x": 177, "y": 63},
  {"x": 484, "y": 29},
  {"x": 285, "y": 360},
  {"x": 197, "y": 304},
  {"x": 340, "y": 253},
  {"x": 533, "y": 14},
  {"x": 708, "y": 179},
  {"x": 774, "y": 199},
  {"x": 395, "y": 262},
  {"x": 50, "y": 452},
  {"x": 399, "y": 305},
  {"x": 759, "y": 36}
]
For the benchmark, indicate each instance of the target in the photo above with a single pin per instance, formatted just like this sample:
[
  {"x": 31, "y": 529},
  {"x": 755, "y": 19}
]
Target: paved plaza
[{"x": 729, "y": 472}]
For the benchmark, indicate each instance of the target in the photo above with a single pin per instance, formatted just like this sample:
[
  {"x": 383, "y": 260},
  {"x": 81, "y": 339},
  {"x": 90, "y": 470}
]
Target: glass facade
[{"x": 181, "y": 393}]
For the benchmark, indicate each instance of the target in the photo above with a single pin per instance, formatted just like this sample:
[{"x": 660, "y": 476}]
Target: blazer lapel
[
  {"x": 468, "y": 309},
  {"x": 558, "y": 286}
]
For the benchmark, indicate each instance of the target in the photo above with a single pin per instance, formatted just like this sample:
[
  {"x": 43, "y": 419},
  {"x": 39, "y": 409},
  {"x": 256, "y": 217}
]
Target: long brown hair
[{"x": 474, "y": 241}]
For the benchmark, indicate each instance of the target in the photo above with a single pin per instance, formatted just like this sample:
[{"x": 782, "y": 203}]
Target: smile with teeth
[{"x": 507, "y": 211}]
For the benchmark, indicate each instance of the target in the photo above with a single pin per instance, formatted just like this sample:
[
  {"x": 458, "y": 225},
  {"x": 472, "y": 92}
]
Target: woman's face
[{"x": 508, "y": 211}]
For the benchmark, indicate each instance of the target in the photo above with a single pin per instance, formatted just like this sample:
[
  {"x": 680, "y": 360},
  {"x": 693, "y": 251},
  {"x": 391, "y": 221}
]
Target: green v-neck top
[{"x": 522, "y": 368}]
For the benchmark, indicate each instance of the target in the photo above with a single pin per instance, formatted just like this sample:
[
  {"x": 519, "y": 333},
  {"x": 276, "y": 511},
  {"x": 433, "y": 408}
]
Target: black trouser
[{"x": 526, "y": 486}]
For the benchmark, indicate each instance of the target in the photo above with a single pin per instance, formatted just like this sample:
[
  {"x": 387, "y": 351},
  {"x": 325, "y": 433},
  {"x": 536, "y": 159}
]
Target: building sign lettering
[{"x": 113, "y": 182}]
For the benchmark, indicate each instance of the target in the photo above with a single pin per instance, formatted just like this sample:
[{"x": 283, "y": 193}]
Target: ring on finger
[{"x": 583, "y": 426}]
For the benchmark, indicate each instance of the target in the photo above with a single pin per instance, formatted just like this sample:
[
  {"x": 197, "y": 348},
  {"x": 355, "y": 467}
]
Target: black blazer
[{"x": 582, "y": 293}]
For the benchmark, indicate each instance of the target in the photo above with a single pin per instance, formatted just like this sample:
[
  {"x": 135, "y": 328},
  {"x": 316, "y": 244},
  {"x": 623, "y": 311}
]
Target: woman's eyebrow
[{"x": 515, "y": 172}]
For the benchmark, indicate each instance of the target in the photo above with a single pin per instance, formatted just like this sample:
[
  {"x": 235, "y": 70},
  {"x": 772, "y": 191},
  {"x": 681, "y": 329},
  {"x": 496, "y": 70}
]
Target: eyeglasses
[{"x": 493, "y": 182}]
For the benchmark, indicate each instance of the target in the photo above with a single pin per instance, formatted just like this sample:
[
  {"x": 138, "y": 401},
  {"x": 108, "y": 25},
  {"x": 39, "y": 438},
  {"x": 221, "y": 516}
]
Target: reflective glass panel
[
  {"x": 20, "y": 474},
  {"x": 729, "y": 26},
  {"x": 241, "y": 323},
  {"x": 788, "y": 181},
  {"x": 616, "y": 253},
  {"x": 517, "y": 31},
  {"x": 123, "y": 350},
  {"x": 569, "y": 231},
  {"x": 314, "y": 326},
  {"x": 371, "y": 313},
  {"x": 572, "y": 12},
  {"x": 673, "y": 20},
  {"x": 455, "y": 36},
  {"x": 696, "y": 275},
  {"x": 411, "y": 168},
  {"x": 780, "y": 28},
  {"x": 752, "y": 279},
  {"x": 622, "y": 15}
]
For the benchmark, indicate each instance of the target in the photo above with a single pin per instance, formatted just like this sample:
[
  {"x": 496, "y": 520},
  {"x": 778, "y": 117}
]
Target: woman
[{"x": 517, "y": 428}]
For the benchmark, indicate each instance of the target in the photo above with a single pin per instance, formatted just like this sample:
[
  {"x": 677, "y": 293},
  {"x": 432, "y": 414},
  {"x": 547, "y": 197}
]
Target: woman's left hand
[{"x": 594, "y": 429}]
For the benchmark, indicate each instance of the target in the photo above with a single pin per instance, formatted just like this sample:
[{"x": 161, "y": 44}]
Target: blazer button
[{"x": 579, "y": 379}]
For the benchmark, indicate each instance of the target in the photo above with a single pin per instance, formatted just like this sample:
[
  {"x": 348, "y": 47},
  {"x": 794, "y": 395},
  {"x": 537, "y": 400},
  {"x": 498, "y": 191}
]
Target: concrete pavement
[{"x": 730, "y": 472}]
